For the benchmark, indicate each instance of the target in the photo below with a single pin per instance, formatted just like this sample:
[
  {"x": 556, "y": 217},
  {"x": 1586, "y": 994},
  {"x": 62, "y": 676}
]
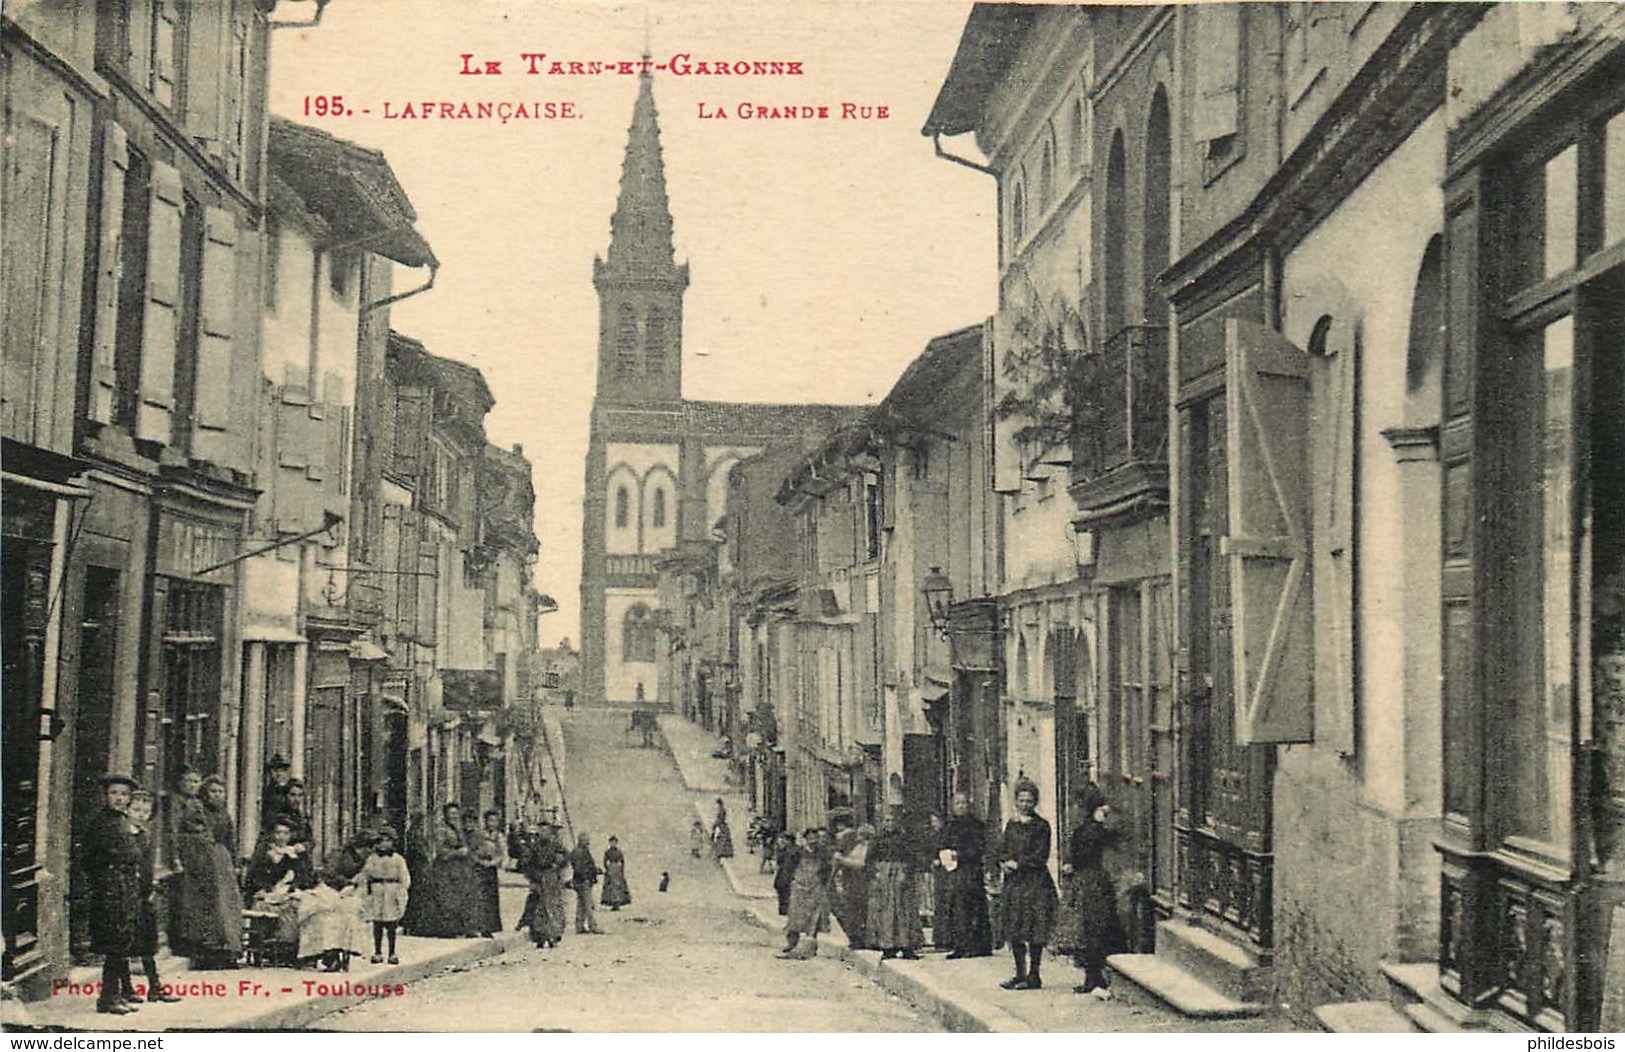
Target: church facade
[{"x": 657, "y": 463}]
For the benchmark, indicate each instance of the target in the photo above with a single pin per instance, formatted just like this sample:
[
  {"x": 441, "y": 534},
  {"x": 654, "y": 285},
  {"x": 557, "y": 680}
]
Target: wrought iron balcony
[{"x": 1120, "y": 427}]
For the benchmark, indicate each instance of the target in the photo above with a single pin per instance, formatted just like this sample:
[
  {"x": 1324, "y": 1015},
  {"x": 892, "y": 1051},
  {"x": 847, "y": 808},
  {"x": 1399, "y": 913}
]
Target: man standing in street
[{"x": 583, "y": 875}]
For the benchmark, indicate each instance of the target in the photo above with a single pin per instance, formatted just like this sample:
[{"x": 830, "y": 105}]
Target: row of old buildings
[
  {"x": 243, "y": 518},
  {"x": 1280, "y": 498}
]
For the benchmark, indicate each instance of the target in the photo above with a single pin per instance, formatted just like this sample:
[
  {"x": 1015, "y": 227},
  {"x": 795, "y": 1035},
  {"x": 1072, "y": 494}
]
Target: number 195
[{"x": 324, "y": 105}]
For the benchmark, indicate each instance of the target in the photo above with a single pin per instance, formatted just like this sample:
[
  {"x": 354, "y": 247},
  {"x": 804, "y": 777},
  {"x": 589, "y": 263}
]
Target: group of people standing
[
  {"x": 868, "y": 880},
  {"x": 551, "y": 869},
  {"x": 457, "y": 866}
]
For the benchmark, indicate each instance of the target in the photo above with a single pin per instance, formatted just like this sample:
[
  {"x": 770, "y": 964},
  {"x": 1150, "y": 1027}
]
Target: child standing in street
[
  {"x": 145, "y": 943},
  {"x": 386, "y": 882},
  {"x": 697, "y": 840}
]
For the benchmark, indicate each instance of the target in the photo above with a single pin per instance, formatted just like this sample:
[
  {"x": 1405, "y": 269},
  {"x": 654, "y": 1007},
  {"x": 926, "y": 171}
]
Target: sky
[{"x": 822, "y": 254}]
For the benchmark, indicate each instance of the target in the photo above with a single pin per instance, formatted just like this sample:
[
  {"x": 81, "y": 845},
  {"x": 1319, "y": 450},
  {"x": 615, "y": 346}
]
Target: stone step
[
  {"x": 1430, "y": 1020},
  {"x": 1184, "y": 992},
  {"x": 1232, "y": 969},
  {"x": 1363, "y": 1017}
]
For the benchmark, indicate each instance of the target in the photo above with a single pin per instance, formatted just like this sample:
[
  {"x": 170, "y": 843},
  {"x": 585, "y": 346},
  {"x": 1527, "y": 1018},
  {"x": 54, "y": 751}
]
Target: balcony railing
[
  {"x": 628, "y": 565},
  {"x": 1120, "y": 425}
]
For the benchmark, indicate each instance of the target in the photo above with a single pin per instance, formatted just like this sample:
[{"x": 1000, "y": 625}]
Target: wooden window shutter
[
  {"x": 1218, "y": 69},
  {"x": 1335, "y": 401},
  {"x": 218, "y": 320},
  {"x": 1266, "y": 406},
  {"x": 208, "y": 50},
  {"x": 28, "y": 295},
  {"x": 160, "y": 326},
  {"x": 109, "y": 273}
]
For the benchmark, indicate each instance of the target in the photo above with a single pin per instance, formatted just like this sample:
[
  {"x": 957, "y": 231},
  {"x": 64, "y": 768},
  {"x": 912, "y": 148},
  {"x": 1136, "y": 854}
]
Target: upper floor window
[
  {"x": 638, "y": 635},
  {"x": 1018, "y": 213},
  {"x": 1078, "y": 140},
  {"x": 1216, "y": 117},
  {"x": 1116, "y": 288},
  {"x": 1155, "y": 232},
  {"x": 626, "y": 341},
  {"x": 658, "y": 513},
  {"x": 654, "y": 340},
  {"x": 163, "y": 64},
  {"x": 622, "y": 504},
  {"x": 1046, "y": 172}
]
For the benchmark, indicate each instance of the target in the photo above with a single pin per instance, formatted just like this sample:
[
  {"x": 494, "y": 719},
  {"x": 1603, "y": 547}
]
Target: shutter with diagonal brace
[
  {"x": 1266, "y": 403},
  {"x": 109, "y": 273},
  {"x": 160, "y": 327},
  {"x": 1218, "y": 71},
  {"x": 1334, "y": 404},
  {"x": 215, "y": 331}
]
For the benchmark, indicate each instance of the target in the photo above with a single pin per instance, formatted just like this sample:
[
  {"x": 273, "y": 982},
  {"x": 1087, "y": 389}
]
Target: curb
[
  {"x": 957, "y": 1015},
  {"x": 300, "y": 1016}
]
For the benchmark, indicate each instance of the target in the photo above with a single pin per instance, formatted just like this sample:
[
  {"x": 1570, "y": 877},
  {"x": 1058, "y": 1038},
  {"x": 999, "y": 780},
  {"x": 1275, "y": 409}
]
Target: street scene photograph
[{"x": 722, "y": 517}]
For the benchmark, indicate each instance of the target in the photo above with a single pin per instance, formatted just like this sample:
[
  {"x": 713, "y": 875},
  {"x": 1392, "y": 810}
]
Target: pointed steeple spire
[{"x": 641, "y": 229}]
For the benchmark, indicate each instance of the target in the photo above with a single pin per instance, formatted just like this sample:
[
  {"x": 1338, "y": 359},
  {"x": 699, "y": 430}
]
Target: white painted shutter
[
  {"x": 109, "y": 273},
  {"x": 1335, "y": 394},
  {"x": 218, "y": 321},
  {"x": 159, "y": 327},
  {"x": 1266, "y": 396}
]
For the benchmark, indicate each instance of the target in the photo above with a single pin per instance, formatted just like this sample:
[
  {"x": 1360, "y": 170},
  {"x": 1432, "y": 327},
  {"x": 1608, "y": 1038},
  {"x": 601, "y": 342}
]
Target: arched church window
[
  {"x": 638, "y": 635},
  {"x": 1075, "y": 144},
  {"x": 622, "y": 502},
  {"x": 659, "y": 512},
  {"x": 1046, "y": 172},
  {"x": 654, "y": 340},
  {"x": 626, "y": 341}
]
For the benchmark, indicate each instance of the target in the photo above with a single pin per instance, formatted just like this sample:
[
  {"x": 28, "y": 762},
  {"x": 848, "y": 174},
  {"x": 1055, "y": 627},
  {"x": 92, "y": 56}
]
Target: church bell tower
[{"x": 640, "y": 285}]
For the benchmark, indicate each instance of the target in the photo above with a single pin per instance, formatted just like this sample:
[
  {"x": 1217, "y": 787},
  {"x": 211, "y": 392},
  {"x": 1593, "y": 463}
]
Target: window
[
  {"x": 1116, "y": 290},
  {"x": 163, "y": 69},
  {"x": 654, "y": 340},
  {"x": 873, "y": 515},
  {"x": 1078, "y": 142},
  {"x": 1046, "y": 172},
  {"x": 658, "y": 514},
  {"x": 1018, "y": 214},
  {"x": 341, "y": 268},
  {"x": 621, "y": 502},
  {"x": 1158, "y": 164},
  {"x": 273, "y": 261},
  {"x": 1216, "y": 120},
  {"x": 626, "y": 341},
  {"x": 638, "y": 635}
]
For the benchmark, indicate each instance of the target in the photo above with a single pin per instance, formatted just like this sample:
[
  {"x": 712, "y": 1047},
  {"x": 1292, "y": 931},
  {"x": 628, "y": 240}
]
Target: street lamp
[{"x": 939, "y": 596}]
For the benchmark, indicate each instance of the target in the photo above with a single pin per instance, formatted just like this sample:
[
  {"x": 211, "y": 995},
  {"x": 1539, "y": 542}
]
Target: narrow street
[{"x": 688, "y": 959}]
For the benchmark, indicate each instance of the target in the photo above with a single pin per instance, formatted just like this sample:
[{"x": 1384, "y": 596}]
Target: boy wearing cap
[
  {"x": 145, "y": 941},
  {"x": 113, "y": 863}
]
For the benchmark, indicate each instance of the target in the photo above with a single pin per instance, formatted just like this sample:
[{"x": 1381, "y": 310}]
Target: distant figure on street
[
  {"x": 543, "y": 866},
  {"x": 809, "y": 899},
  {"x": 569, "y": 701},
  {"x": 722, "y": 838},
  {"x": 616, "y": 891},
  {"x": 486, "y": 846},
  {"x": 785, "y": 856},
  {"x": 385, "y": 884},
  {"x": 583, "y": 875},
  {"x": 665, "y": 880},
  {"x": 696, "y": 838}
]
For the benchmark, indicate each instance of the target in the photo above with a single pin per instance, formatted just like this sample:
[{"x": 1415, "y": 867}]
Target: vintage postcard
[{"x": 717, "y": 516}]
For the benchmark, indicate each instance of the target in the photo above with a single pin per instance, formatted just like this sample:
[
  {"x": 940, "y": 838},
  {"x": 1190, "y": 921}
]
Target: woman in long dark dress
[
  {"x": 112, "y": 862},
  {"x": 485, "y": 849},
  {"x": 453, "y": 890},
  {"x": 1099, "y": 928},
  {"x": 206, "y": 918},
  {"x": 616, "y": 892},
  {"x": 722, "y": 838},
  {"x": 967, "y": 931},
  {"x": 415, "y": 849},
  {"x": 894, "y": 905},
  {"x": 849, "y": 897},
  {"x": 1029, "y": 893}
]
